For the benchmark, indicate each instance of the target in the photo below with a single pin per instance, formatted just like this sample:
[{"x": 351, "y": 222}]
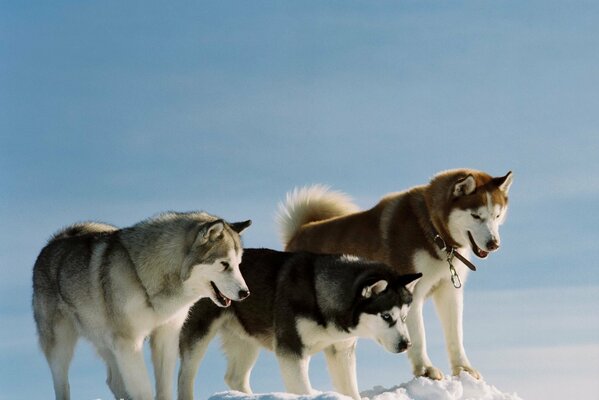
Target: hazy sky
[{"x": 115, "y": 111}]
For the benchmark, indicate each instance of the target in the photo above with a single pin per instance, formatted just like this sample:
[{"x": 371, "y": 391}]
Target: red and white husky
[{"x": 417, "y": 230}]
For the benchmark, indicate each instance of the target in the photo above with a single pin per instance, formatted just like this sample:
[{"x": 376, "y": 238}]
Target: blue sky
[{"x": 115, "y": 111}]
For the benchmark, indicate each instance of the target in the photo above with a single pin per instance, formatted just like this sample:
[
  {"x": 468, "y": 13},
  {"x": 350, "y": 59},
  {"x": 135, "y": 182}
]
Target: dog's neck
[
  {"x": 431, "y": 227},
  {"x": 436, "y": 235}
]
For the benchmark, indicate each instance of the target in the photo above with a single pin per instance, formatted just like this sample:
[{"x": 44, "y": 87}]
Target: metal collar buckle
[
  {"x": 440, "y": 242},
  {"x": 455, "y": 278}
]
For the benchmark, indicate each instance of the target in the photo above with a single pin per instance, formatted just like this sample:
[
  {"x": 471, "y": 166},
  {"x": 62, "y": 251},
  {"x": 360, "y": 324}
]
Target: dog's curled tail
[
  {"x": 310, "y": 204},
  {"x": 82, "y": 228}
]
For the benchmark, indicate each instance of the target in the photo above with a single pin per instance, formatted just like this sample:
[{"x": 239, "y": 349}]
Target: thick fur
[
  {"x": 117, "y": 286},
  {"x": 301, "y": 303},
  {"x": 465, "y": 207}
]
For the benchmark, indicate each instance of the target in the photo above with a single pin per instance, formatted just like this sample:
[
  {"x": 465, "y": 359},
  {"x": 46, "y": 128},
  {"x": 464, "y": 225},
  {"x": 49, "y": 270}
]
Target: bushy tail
[
  {"x": 82, "y": 228},
  {"x": 309, "y": 204}
]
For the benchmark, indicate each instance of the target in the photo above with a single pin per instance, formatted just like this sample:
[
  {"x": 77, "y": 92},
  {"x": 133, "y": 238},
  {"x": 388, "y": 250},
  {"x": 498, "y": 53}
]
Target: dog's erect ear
[
  {"x": 240, "y": 226},
  {"x": 504, "y": 182},
  {"x": 374, "y": 289},
  {"x": 409, "y": 281},
  {"x": 464, "y": 186},
  {"x": 198, "y": 236},
  {"x": 210, "y": 231}
]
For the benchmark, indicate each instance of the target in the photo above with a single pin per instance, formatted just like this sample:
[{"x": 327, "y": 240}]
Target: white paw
[
  {"x": 428, "y": 371},
  {"x": 456, "y": 370}
]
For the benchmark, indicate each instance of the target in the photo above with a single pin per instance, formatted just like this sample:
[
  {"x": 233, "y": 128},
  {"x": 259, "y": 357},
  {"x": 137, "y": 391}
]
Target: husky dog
[
  {"x": 117, "y": 286},
  {"x": 301, "y": 303},
  {"x": 418, "y": 230}
]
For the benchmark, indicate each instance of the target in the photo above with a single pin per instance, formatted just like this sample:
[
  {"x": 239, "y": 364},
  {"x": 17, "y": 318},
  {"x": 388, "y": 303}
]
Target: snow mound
[{"x": 462, "y": 387}]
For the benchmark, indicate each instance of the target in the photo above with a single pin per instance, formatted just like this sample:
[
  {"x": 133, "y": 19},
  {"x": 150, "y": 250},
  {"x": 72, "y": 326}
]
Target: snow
[{"x": 462, "y": 387}]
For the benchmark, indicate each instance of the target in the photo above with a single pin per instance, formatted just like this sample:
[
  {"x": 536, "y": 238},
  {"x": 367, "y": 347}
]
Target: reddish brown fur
[
  {"x": 399, "y": 225},
  {"x": 356, "y": 233}
]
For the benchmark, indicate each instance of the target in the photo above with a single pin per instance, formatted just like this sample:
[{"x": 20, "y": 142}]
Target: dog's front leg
[
  {"x": 164, "y": 342},
  {"x": 341, "y": 360},
  {"x": 449, "y": 302},
  {"x": 130, "y": 361},
  {"x": 114, "y": 379},
  {"x": 294, "y": 369},
  {"x": 421, "y": 363}
]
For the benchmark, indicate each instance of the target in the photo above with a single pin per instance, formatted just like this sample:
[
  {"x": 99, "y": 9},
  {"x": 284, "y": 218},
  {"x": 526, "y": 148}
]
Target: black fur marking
[
  {"x": 201, "y": 316},
  {"x": 325, "y": 289}
]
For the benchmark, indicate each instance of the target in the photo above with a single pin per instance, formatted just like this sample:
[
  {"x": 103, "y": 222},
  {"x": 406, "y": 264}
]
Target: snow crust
[{"x": 462, "y": 387}]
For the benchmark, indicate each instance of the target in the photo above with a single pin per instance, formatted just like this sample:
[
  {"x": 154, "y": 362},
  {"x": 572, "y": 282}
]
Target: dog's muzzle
[{"x": 403, "y": 345}]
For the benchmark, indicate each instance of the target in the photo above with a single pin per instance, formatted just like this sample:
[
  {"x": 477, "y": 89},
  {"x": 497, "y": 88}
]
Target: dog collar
[
  {"x": 451, "y": 252},
  {"x": 429, "y": 229}
]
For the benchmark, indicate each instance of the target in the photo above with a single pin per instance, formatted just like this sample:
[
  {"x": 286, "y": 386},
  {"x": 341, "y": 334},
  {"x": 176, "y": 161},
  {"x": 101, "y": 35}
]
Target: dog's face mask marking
[
  {"x": 384, "y": 320},
  {"x": 216, "y": 273},
  {"x": 477, "y": 224},
  {"x": 388, "y": 328}
]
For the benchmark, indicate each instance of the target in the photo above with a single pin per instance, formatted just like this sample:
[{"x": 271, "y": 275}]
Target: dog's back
[{"x": 319, "y": 220}]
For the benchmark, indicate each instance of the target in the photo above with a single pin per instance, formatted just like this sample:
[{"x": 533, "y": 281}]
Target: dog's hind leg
[
  {"x": 58, "y": 347},
  {"x": 341, "y": 360},
  {"x": 241, "y": 357},
  {"x": 449, "y": 303}
]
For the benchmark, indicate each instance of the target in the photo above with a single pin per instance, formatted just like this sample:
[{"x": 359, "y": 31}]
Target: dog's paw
[
  {"x": 428, "y": 371},
  {"x": 456, "y": 370}
]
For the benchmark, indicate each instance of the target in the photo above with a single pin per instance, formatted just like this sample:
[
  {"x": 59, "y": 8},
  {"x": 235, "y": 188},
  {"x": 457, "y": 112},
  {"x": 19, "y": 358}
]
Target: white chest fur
[
  {"x": 436, "y": 271},
  {"x": 315, "y": 337}
]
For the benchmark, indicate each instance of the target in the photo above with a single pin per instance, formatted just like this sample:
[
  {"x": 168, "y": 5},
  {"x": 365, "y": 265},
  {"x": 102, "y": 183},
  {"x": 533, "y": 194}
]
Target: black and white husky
[{"x": 300, "y": 303}]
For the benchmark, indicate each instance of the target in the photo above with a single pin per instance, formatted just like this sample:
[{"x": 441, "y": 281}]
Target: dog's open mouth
[
  {"x": 223, "y": 300},
  {"x": 477, "y": 250}
]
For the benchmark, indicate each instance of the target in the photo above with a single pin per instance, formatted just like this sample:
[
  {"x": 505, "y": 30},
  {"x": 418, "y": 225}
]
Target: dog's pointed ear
[
  {"x": 210, "y": 231},
  {"x": 409, "y": 281},
  {"x": 374, "y": 289},
  {"x": 199, "y": 235},
  {"x": 239, "y": 227},
  {"x": 504, "y": 182},
  {"x": 464, "y": 186}
]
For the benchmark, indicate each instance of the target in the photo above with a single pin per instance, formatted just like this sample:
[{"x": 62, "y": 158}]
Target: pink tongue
[{"x": 227, "y": 302}]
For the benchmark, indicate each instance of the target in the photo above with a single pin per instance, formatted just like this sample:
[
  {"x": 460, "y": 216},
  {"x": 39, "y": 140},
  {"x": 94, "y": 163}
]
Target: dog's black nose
[
  {"x": 492, "y": 245},
  {"x": 403, "y": 345},
  {"x": 243, "y": 294}
]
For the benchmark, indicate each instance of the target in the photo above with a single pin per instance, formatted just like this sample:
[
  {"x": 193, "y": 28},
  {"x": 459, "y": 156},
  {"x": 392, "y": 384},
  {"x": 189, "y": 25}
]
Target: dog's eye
[
  {"x": 475, "y": 216},
  {"x": 404, "y": 317},
  {"x": 225, "y": 264},
  {"x": 386, "y": 317}
]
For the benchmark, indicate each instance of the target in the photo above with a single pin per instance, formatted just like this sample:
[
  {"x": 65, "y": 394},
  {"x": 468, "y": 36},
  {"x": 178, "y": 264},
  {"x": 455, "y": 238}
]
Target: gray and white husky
[
  {"x": 117, "y": 286},
  {"x": 301, "y": 303}
]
